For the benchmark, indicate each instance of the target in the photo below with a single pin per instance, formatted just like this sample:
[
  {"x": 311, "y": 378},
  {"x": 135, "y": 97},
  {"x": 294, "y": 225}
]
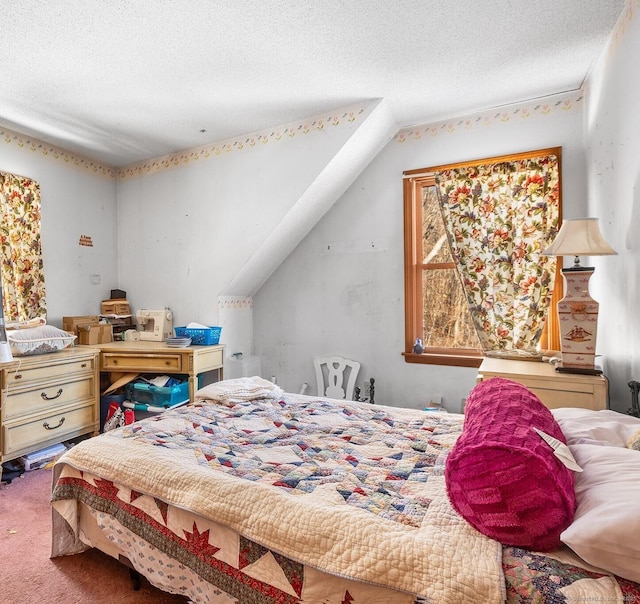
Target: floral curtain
[
  {"x": 21, "y": 267},
  {"x": 498, "y": 218}
]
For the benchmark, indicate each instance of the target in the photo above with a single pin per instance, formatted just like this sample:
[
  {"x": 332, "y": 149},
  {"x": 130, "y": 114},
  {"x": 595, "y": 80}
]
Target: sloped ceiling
[
  {"x": 122, "y": 82},
  {"x": 376, "y": 129}
]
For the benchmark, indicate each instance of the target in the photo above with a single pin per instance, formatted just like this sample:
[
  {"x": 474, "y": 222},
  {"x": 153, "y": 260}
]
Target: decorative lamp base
[{"x": 578, "y": 318}]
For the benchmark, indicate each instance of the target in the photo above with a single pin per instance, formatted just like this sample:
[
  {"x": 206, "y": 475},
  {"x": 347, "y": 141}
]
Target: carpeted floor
[{"x": 28, "y": 575}]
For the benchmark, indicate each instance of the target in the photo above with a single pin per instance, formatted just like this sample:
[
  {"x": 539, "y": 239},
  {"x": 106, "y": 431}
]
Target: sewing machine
[{"x": 154, "y": 325}]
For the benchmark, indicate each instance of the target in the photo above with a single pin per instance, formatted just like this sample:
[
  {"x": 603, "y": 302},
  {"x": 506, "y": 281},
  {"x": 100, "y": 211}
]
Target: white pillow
[
  {"x": 604, "y": 427},
  {"x": 605, "y": 531},
  {"x": 38, "y": 340}
]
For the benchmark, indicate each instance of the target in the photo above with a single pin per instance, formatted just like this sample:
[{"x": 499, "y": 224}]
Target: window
[{"x": 508, "y": 209}]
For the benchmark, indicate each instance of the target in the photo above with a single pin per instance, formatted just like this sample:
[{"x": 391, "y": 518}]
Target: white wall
[
  {"x": 342, "y": 292},
  {"x": 188, "y": 226},
  {"x": 78, "y": 198},
  {"x": 612, "y": 135}
]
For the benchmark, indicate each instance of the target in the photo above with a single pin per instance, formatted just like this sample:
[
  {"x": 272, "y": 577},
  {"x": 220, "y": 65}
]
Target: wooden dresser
[
  {"x": 553, "y": 388},
  {"x": 119, "y": 358},
  {"x": 48, "y": 398}
]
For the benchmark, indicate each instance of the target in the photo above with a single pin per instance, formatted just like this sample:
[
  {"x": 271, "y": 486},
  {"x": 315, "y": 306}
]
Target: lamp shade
[{"x": 579, "y": 237}]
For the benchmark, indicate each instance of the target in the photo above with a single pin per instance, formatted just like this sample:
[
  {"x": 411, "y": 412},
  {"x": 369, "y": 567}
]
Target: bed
[{"x": 251, "y": 494}]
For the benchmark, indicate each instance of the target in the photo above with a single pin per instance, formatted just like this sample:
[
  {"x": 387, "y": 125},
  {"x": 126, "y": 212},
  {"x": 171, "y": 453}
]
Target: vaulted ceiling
[{"x": 124, "y": 81}]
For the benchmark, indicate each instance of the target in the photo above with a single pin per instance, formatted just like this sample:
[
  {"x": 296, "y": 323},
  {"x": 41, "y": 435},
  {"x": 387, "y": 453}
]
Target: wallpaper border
[
  {"x": 284, "y": 132},
  {"x": 553, "y": 104},
  {"x": 249, "y": 141},
  {"x": 235, "y": 302},
  {"x": 51, "y": 151}
]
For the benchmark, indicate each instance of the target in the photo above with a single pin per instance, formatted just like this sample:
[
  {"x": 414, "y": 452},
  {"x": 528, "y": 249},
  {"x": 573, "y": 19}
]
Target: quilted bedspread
[{"x": 352, "y": 489}]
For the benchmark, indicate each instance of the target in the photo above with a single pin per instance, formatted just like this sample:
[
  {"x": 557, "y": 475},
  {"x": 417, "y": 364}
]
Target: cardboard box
[
  {"x": 70, "y": 324},
  {"x": 115, "y": 307},
  {"x": 101, "y": 333}
]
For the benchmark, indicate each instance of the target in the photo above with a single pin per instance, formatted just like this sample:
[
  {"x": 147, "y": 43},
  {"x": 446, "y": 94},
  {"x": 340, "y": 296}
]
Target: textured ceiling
[{"x": 125, "y": 81}]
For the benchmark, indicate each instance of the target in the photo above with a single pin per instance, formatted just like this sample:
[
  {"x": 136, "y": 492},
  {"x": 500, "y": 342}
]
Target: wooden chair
[{"x": 336, "y": 377}]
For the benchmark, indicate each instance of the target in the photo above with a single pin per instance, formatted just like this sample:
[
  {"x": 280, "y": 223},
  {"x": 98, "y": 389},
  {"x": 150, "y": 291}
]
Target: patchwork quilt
[
  {"x": 183, "y": 553},
  {"x": 351, "y": 489},
  {"x": 299, "y": 500}
]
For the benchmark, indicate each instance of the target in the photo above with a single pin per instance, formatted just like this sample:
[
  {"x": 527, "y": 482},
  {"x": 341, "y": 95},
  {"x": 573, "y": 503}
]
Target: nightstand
[{"x": 553, "y": 388}]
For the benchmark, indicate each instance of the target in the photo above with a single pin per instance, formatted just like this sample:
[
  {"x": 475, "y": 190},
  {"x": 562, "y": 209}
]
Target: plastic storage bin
[
  {"x": 204, "y": 336},
  {"x": 157, "y": 396}
]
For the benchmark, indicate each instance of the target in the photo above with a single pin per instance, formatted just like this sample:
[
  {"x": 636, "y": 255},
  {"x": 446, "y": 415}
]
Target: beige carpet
[{"x": 29, "y": 576}]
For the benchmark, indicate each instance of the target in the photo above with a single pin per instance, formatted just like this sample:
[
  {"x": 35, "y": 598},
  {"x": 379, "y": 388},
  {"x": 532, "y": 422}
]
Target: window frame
[{"x": 413, "y": 183}]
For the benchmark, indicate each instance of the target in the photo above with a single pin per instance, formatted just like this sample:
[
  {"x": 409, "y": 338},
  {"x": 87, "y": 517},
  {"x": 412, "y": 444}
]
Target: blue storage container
[
  {"x": 157, "y": 396},
  {"x": 205, "y": 336}
]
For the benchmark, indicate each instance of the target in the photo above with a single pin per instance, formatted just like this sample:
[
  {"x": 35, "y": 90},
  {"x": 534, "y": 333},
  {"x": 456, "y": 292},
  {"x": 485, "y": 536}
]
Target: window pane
[
  {"x": 434, "y": 239},
  {"x": 447, "y": 320}
]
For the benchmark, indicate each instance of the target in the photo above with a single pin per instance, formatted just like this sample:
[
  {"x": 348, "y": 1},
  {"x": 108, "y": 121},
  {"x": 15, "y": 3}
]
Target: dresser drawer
[
  {"x": 36, "y": 432},
  {"x": 206, "y": 360},
  {"x": 555, "y": 389},
  {"x": 558, "y": 384},
  {"x": 554, "y": 399},
  {"x": 31, "y": 372},
  {"x": 49, "y": 397},
  {"x": 141, "y": 362}
]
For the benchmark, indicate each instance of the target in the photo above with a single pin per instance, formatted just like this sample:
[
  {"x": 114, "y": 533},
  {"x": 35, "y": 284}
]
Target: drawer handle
[
  {"x": 83, "y": 365},
  {"x": 48, "y": 427},
  {"x": 17, "y": 376},
  {"x": 51, "y": 398}
]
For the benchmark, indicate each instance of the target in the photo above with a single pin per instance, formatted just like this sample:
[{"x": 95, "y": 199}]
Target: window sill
[{"x": 458, "y": 360}]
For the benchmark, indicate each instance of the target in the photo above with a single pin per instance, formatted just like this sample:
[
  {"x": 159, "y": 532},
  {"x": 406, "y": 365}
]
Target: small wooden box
[{"x": 115, "y": 307}]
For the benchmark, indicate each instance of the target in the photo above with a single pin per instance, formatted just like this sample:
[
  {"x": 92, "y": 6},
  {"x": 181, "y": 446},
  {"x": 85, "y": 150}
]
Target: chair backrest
[{"x": 336, "y": 376}]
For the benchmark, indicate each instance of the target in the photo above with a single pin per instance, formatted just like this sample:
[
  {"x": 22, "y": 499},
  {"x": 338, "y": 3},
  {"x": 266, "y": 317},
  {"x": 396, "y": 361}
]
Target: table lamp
[{"x": 577, "y": 311}]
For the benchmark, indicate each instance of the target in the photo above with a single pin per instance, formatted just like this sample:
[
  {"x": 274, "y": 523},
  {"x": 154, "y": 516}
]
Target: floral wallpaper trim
[
  {"x": 618, "y": 33},
  {"x": 546, "y": 106},
  {"x": 49, "y": 151},
  {"x": 246, "y": 142},
  {"x": 234, "y": 302},
  {"x": 211, "y": 151}
]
